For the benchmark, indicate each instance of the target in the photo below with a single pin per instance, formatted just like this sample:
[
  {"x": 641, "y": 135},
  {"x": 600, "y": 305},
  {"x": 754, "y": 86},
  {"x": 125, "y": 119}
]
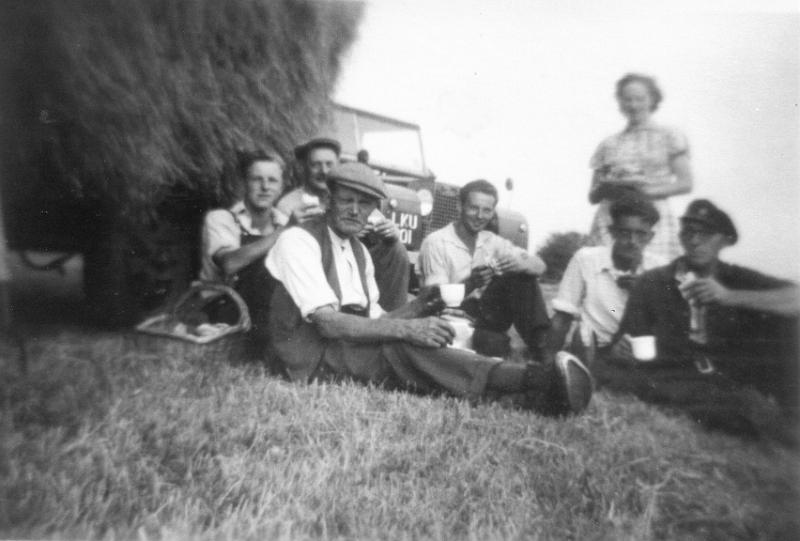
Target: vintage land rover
[{"x": 417, "y": 203}]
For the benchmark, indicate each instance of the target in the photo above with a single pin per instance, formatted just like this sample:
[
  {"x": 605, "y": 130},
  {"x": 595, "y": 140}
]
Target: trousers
[
  {"x": 404, "y": 366},
  {"x": 731, "y": 397},
  {"x": 513, "y": 299}
]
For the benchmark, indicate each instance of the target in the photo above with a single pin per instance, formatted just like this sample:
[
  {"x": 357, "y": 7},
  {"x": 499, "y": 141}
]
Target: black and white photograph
[{"x": 399, "y": 269}]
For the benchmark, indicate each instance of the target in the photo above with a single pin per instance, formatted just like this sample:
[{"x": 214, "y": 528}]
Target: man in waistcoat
[
  {"x": 332, "y": 327},
  {"x": 380, "y": 235}
]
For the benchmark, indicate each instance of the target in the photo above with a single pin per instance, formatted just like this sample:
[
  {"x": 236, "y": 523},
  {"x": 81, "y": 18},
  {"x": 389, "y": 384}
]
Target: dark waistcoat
[{"x": 296, "y": 342}]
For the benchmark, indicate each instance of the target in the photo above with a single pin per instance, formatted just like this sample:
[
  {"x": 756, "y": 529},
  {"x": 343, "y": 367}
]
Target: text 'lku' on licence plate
[{"x": 407, "y": 224}]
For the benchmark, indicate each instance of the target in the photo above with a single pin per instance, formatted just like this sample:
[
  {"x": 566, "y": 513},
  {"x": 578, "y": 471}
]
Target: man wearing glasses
[
  {"x": 722, "y": 332},
  {"x": 595, "y": 285}
]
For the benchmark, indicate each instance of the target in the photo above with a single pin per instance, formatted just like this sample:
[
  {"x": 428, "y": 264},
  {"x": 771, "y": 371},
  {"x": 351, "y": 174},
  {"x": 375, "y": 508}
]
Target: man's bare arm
[
  {"x": 783, "y": 301},
  {"x": 233, "y": 260},
  {"x": 433, "y": 332}
]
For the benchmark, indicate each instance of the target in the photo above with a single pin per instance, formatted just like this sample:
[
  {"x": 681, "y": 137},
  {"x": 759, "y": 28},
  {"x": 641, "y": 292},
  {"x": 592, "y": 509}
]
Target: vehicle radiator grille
[{"x": 445, "y": 207}]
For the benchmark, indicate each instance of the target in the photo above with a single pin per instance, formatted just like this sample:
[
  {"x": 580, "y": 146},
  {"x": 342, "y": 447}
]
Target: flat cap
[
  {"x": 704, "y": 212},
  {"x": 301, "y": 151},
  {"x": 359, "y": 177}
]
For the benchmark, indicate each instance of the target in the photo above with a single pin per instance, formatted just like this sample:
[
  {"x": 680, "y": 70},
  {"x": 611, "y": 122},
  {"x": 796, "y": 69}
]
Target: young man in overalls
[{"x": 236, "y": 240}]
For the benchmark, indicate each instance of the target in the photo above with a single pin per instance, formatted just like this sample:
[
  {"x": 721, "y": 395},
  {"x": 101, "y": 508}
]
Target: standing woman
[{"x": 645, "y": 158}]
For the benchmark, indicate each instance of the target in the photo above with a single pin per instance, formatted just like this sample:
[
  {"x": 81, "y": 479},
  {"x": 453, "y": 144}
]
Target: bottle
[{"x": 697, "y": 312}]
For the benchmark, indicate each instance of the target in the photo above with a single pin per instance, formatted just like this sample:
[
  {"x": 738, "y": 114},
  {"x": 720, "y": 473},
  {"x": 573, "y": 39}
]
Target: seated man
[
  {"x": 331, "y": 325},
  {"x": 595, "y": 285},
  {"x": 721, "y": 331},
  {"x": 500, "y": 278},
  {"x": 390, "y": 257},
  {"x": 236, "y": 240}
]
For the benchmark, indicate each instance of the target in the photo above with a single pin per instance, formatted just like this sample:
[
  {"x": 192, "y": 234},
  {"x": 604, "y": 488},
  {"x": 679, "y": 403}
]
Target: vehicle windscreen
[{"x": 391, "y": 144}]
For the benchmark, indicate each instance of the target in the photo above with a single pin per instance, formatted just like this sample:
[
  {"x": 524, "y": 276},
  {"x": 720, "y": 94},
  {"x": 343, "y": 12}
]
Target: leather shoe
[{"x": 574, "y": 384}]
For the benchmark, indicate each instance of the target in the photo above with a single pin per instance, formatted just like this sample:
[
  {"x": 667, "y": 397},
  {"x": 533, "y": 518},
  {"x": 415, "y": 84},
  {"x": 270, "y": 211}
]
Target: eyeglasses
[
  {"x": 688, "y": 233},
  {"x": 630, "y": 234}
]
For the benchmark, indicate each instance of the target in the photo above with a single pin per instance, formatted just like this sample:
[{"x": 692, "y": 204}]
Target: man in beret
[
  {"x": 332, "y": 327},
  {"x": 317, "y": 157},
  {"x": 722, "y": 332}
]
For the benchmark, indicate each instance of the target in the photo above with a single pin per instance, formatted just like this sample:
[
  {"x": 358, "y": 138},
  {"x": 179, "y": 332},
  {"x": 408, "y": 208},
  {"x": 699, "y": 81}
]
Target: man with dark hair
[
  {"x": 333, "y": 327},
  {"x": 500, "y": 278},
  {"x": 317, "y": 157},
  {"x": 721, "y": 332},
  {"x": 235, "y": 241},
  {"x": 595, "y": 285}
]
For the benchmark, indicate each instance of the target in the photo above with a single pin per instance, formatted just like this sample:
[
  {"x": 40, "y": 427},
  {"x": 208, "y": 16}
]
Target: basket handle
[{"x": 244, "y": 322}]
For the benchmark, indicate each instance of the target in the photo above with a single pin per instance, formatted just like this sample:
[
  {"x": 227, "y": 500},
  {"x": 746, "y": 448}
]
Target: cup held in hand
[
  {"x": 309, "y": 200},
  {"x": 463, "y": 328},
  {"x": 452, "y": 294},
  {"x": 643, "y": 347}
]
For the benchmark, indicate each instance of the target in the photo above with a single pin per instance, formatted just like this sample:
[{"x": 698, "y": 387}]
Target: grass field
[{"x": 116, "y": 436}]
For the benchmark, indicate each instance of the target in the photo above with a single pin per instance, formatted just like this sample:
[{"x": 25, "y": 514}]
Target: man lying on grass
[
  {"x": 721, "y": 331},
  {"x": 325, "y": 321}
]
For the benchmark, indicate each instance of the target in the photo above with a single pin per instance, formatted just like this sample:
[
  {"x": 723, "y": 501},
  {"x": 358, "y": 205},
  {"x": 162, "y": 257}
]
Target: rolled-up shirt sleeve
[
  {"x": 296, "y": 261},
  {"x": 572, "y": 289},
  {"x": 220, "y": 232}
]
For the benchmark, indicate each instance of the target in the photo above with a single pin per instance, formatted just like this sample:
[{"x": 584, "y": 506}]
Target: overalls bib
[{"x": 255, "y": 284}]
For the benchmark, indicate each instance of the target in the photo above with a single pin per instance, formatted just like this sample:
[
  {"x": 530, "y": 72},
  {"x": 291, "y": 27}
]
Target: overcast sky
[{"x": 524, "y": 89}]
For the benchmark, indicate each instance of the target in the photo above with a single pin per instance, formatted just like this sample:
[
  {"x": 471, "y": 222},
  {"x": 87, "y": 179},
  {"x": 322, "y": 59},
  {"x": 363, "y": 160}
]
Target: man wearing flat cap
[
  {"x": 722, "y": 332},
  {"x": 332, "y": 327},
  {"x": 317, "y": 157}
]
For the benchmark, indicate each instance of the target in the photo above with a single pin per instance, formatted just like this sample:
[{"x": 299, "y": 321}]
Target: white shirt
[
  {"x": 589, "y": 290},
  {"x": 296, "y": 261},
  {"x": 445, "y": 259},
  {"x": 220, "y": 230}
]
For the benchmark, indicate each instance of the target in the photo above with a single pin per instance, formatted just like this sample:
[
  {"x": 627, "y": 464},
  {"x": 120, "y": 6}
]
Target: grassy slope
[{"x": 119, "y": 437}]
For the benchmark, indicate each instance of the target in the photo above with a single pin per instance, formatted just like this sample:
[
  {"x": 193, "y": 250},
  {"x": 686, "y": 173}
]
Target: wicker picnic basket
[{"x": 181, "y": 329}]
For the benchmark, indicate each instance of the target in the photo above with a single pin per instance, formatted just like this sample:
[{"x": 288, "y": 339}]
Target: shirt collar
[
  {"x": 336, "y": 240},
  {"x": 607, "y": 262},
  {"x": 238, "y": 208},
  {"x": 246, "y": 220},
  {"x": 453, "y": 238},
  {"x": 647, "y": 125}
]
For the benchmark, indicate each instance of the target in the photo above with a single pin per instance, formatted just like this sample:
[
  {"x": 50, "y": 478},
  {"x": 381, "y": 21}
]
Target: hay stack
[
  {"x": 134, "y": 96},
  {"x": 109, "y": 107}
]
